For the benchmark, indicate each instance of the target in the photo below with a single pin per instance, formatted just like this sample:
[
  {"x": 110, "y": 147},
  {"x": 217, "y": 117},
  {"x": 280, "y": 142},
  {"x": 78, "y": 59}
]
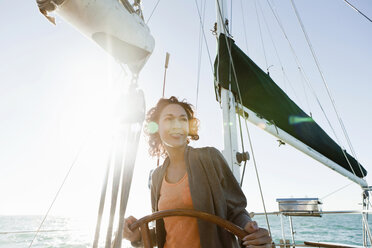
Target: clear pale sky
[{"x": 56, "y": 92}]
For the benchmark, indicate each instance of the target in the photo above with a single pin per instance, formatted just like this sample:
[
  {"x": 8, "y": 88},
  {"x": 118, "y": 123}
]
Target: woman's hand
[
  {"x": 132, "y": 236},
  {"x": 257, "y": 237}
]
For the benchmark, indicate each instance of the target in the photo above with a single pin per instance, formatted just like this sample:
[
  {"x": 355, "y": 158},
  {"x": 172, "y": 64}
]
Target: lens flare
[
  {"x": 293, "y": 120},
  {"x": 261, "y": 125},
  {"x": 152, "y": 127}
]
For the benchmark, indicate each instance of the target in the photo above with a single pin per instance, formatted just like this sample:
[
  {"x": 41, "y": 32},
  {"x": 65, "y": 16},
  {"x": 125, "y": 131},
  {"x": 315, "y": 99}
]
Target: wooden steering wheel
[{"x": 145, "y": 232}]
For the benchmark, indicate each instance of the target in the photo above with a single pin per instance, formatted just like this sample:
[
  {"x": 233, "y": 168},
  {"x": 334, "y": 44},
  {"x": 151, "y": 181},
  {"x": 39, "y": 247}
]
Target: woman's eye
[{"x": 184, "y": 119}]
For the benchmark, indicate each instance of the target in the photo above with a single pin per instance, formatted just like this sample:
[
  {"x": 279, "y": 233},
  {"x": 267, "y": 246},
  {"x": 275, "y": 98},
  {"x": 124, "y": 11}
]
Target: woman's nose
[{"x": 176, "y": 123}]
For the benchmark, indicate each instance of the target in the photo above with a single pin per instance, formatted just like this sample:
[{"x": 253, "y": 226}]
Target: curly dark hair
[{"x": 156, "y": 148}]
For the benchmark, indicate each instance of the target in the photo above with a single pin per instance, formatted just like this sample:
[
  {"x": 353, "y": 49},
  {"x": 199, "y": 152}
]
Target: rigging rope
[
  {"x": 59, "y": 190},
  {"x": 205, "y": 39},
  {"x": 262, "y": 41},
  {"x": 200, "y": 53},
  {"x": 299, "y": 65},
  {"x": 102, "y": 200},
  {"x": 127, "y": 175},
  {"x": 307, "y": 81},
  {"x": 305, "y": 93},
  {"x": 244, "y": 26},
  {"x": 242, "y": 142},
  {"x": 123, "y": 152},
  {"x": 292, "y": 50},
  {"x": 277, "y": 55},
  {"x": 115, "y": 184},
  {"x": 21, "y": 232},
  {"x": 257, "y": 176},
  {"x": 152, "y": 12},
  {"x": 337, "y": 190},
  {"x": 241, "y": 101},
  {"x": 231, "y": 17},
  {"x": 328, "y": 91},
  {"x": 357, "y": 10}
]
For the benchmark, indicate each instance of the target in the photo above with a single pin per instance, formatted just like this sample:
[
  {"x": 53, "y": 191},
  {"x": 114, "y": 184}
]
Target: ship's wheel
[{"x": 145, "y": 232}]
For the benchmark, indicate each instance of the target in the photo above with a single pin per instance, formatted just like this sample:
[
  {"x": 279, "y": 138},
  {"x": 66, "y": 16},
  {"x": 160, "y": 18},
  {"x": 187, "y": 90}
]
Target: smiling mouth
[{"x": 176, "y": 135}]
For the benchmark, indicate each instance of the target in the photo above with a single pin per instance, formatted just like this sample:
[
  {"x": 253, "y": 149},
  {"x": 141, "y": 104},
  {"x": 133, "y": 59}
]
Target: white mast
[{"x": 228, "y": 104}]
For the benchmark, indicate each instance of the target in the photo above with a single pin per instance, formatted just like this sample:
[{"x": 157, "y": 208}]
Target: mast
[{"x": 227, "y": 102}]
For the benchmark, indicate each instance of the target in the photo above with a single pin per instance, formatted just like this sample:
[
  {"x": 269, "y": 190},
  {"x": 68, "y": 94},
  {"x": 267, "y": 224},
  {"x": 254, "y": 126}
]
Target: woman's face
[{"x": 173, "y": 126}]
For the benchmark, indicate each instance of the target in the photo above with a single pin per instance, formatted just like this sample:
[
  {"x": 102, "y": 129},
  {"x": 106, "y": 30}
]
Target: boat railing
[
  {"x": 286, "y": 243},
  {"x": 306, "y": 213}
]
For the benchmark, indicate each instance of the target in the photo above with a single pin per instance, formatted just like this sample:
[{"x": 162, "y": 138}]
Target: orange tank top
[{"x": 181, "y": 231}]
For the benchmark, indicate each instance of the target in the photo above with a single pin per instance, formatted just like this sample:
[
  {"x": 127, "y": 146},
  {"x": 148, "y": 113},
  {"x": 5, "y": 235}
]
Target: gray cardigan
[{"x": 213, "y": 189}]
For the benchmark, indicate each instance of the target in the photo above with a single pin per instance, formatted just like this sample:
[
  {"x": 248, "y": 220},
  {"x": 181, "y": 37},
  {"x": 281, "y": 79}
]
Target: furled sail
[
  {"x": 262, "y": 96},
  {"x": 114, "y": 25}
]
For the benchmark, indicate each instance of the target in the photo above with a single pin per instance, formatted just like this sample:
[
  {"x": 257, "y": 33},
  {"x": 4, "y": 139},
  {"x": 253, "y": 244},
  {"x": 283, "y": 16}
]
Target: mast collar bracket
[{"x": 242, "y": 156}]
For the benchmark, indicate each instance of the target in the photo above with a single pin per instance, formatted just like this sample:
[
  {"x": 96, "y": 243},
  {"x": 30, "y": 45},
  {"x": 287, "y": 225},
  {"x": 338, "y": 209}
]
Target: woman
[{"x": 194, "y": 178}]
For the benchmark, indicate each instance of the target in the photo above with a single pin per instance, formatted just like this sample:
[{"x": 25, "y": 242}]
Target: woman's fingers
[
  {"x": 261, "y": 241},
  {"x": 259, "y": 246},
  {"x": 129, "y": 234},
  {"x": 257, "y": 237},
  {"x": 126, "y": 228},
  {"x": 130, "y": 220},
  {"x": 260, "y": 238},
  {"x": 261, "y": 232}
]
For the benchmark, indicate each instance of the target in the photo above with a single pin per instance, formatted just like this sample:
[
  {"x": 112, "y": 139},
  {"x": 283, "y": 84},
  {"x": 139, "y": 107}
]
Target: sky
[{"x": 57, "y": 92}]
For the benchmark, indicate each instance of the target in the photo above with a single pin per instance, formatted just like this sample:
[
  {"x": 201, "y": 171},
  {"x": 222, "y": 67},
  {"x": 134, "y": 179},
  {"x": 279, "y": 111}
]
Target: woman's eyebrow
[{"x": 172, "y": 115}]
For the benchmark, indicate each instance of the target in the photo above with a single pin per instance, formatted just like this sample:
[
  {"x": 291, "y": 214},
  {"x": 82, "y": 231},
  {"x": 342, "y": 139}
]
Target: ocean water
[
  {"x": 56, "y": 232},
  {"x": 67, "y": 232}
]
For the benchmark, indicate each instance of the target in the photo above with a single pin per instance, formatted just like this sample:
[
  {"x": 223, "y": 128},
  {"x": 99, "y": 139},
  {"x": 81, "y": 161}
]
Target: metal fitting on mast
[{"x": 240, "y": 157}]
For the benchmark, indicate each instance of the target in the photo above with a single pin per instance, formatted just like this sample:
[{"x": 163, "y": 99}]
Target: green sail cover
[{"x": 261, "y": 95}]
